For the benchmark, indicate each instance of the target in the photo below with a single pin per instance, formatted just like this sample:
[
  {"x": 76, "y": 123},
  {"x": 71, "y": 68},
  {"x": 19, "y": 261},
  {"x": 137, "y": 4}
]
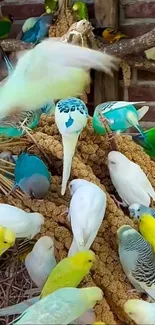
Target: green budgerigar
[
  {"x": 51, "y": 6},
  {"x": 80, "y": 9},
  {"x": 150, "y": 137},
  {"x": 137, "y": 259},
  {"x": 5, "y": 26},
  {"x": 61, "y": 307}
]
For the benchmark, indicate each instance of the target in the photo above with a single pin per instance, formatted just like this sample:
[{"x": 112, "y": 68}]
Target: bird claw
[
  {"x": 118, "y": 203},
  {"x": 65, "y": 213},
  {"x": 132, "y": 291}
]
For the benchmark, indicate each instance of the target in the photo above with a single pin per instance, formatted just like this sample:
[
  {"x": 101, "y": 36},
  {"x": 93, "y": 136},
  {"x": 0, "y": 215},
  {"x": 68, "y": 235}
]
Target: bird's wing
[
  {"x": 143, "y": 181},
  {"x": 48, "y": 57},
  {"x": 87, "y": 211}
]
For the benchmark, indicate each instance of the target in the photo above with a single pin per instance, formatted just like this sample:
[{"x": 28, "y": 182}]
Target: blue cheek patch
[{"x": 69, "y": 122}]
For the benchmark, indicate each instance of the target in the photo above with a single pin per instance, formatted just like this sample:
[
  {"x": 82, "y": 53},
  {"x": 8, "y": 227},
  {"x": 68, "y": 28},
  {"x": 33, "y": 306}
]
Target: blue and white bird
[
  {"x": 137, "y": 210},
  {"x": 32, "y": 176},
  {"x": 120, "y": 115},
  {"x": 39, "y": 30},
  {"x": 71, "y": 117}
]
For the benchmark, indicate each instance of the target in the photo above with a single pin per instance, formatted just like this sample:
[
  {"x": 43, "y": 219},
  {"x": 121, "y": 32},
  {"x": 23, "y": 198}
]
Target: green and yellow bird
[
  {"x": 109, "y": 34},
  {"x": 80, "y": 10},
  {"x": 5, "y": 26}
]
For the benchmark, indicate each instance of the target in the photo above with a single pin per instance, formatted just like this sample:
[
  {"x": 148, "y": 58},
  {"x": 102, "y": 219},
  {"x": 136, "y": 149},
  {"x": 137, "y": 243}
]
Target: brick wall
[{"x": 136, "y": 18}]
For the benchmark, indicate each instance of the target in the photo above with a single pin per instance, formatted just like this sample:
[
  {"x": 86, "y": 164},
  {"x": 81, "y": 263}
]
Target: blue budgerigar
[
  {"x": 32, "y": 176},
  {"x": 137, "y": 210},
  {"x": 39, "y": 30},
  {"x": 120, "y": 115},
  {"x": 71, "y": 117}
]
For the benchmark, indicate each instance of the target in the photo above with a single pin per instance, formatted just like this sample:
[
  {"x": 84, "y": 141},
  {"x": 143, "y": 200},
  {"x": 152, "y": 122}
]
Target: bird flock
[{"x": 47, "y": 78}]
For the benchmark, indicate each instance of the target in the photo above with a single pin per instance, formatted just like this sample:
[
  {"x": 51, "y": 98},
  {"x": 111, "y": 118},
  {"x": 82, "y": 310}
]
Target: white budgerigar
[
  {"x": 41, "y": 260},
  {"x": 23, "y": 224},
  {"x": 140, "y": 311},
  {"x": 71, "y": 117},
  {"x": 52, "y": 70},
  {"x": 130, "y": 181},
  {"x": 86, "y": 212}
]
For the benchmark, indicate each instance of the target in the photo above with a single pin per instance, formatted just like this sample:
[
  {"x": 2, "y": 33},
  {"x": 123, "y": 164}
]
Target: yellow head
[
  {"x": 83, "y": 260},
  {"x": 146, "y": 220},
  {"x": 9, "y": 236}
]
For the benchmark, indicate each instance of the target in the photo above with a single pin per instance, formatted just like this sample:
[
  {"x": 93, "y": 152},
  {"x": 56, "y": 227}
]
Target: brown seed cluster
[{"x": 90, "y": 163}]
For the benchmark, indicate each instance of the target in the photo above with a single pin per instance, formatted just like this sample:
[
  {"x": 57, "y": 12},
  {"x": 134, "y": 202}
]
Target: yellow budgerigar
[
  {"x": 147, "y": 228},
  {"x": 69, "y": 272},
  {"x": 7, "y": 239}
]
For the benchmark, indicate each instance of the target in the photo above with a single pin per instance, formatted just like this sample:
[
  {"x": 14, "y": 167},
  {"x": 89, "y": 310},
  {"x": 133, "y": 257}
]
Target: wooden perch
[
  {"x": 140, "y": 63},
  {"x": 12, "y": 45}
]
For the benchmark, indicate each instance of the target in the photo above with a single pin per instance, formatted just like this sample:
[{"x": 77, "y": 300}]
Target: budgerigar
[
  {"x": 39, "y": 30},
  {"x": 140, "y": 311},
  {"x": 120, "y": 115},
  {"x": 137, "y": 259},
  {"x": 11, "y": 126},
  {"x": 32, "y": 176},
  {"x": 51, "y": 6},
  {"x": 69, "y": 272},
  {"x": 137, "y": 210},
  {"x": 41, "y": 260},
  {"x": 147, "y": 141},
  {"x": 130, "y": 181},
  {"x": 147, "y": 228},
  {"x": 22, "y": 223},
  {"x": 86, "y": 212},
  {"x": 44, "y": 71},
  {"x": 62, "y": 306},
  {"x": 80, "y": 10},
  {"x": 5, "y": 26},
  {"x": 71, "y": 117},
  {"x": 7, "y": 239}
]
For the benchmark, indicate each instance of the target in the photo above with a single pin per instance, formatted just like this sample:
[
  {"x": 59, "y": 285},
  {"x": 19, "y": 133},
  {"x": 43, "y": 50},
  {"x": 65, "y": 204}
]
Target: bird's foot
[
  {"x": 132, "y": 291},
  {"x": 118, "y": 203}
]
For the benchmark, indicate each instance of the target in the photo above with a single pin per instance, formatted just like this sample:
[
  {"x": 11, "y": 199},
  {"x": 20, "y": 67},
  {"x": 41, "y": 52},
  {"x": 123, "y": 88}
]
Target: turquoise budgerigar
[
  {"x": 11, "y": 126},
  {"x": 120, "y": 115},
  {"x": 137, "y": 210},
  {"x": 42, "y": 74},
  {"x": 71, "y": 117},
  {"x": 61, "y": 307},
  {"x": 137, "y": 259},
  {"x": 32, "y": 176},
  {"x": 39, "y": 30}
]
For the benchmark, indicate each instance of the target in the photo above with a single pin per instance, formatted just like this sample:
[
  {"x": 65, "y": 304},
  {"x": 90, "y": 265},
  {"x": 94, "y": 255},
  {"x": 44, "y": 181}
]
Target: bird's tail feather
[
  {"x": 73, "y": 249},
  {"x": 134, "y": 122},
  {"x": 69, "y": 145},
  {"x": 18, "y": 308}
]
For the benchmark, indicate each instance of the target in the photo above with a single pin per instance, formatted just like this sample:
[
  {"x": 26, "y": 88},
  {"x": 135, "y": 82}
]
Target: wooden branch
[
  {"x": 131, "y": 46},
  {"x": 12, "y": 45},
  {"x": 140, "y": 63}
]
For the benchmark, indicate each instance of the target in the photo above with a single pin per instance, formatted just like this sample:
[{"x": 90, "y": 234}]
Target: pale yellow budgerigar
[
  {"x": 52, "y": 70},
  {"x": 7, "y": 239}
]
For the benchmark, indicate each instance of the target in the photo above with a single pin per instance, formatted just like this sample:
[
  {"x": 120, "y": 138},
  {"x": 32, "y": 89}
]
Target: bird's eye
[
  {"x": 112, "y": 162},
  {"x": 5, "y": 242},
  {"x": 138, "y": 210},
  {"x": 90, "y": 261}
]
